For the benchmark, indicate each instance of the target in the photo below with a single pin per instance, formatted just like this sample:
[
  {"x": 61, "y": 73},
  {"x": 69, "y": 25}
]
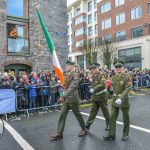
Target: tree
[
  {"x": 89, "y": 49},
  {"x": 108, "y": 51}
]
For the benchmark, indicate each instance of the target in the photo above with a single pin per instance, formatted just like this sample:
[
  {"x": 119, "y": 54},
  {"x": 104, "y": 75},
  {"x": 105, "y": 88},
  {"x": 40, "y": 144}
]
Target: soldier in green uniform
[
  {"x": 71, "y": 101},
  {"x": 121, "y": 83},
  {"x": 99, "y": 97}
]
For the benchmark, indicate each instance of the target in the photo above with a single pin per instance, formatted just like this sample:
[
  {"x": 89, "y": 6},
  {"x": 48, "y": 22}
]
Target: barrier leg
[
  {"x": 28, "y": 114},
  {"x": 6, "y": 117}
]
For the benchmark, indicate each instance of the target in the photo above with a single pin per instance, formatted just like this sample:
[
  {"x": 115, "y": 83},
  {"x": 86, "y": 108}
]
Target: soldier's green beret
[
  {"x": 70, "y": 63},
  {"x": 93, "y": 67}
]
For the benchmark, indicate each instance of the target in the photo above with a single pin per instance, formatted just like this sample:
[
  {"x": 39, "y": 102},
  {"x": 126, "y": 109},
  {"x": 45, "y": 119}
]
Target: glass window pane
[
  {"x": 20, "y": 31},
  {"x": 117, "y": 19},
  {"x": 148, "y": 8},
  {"x": 90, "y": 6},
  {"x": 133, "y": 14},
  {"x": 131, "y": 56},
  {"x": 15, "y": 8},
  {"x": 105, "y": 7}
]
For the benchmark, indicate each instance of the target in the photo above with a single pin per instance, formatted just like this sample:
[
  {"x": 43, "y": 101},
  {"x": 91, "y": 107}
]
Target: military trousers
[
  {"x": 94, "y": 110},
  {"x": 64, "y": 111},
  {"x": 113, "y": 119}
]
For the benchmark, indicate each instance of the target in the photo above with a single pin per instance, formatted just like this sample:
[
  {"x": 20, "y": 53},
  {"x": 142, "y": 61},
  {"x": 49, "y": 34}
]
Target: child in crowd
[{"x": 32, "y": 95}]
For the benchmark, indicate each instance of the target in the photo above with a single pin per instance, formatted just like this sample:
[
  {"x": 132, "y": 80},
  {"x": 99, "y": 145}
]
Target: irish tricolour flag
[{"x": 51, "y": 47}]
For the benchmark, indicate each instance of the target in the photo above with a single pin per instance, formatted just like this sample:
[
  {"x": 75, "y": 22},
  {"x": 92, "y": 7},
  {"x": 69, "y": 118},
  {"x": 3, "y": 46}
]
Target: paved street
[{"x": 37, "y": 130}]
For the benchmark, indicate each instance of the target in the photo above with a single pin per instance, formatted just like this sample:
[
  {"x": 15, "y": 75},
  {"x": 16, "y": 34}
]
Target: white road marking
[
  {"x": 120, "y": 123},
  {"x": 20, "y": 140}
]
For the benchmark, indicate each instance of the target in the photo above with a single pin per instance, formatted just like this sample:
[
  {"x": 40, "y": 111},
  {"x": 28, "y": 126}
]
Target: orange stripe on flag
[{"x": 59, "y": 74}]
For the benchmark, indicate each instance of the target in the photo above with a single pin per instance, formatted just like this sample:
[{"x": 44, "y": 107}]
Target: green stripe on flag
[{"x": 46, "y": 33}]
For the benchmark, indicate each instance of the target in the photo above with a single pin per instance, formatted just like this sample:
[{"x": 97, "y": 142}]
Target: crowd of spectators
[{"x": 44, "y": 88}]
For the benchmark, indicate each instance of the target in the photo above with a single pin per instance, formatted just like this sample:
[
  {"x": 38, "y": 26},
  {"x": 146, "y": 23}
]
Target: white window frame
[
  {"x": 119, "y": 3},
  {"x": 119, "y": 18},
  {"x": 103, "y": 10},
  {"x": 135, "y": 17},
  {"x": 103, "y": 26}
]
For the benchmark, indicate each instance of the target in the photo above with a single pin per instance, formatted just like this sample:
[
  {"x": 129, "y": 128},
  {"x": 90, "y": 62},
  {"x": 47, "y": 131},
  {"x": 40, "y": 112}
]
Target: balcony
[{"x": 18, "y": 45}]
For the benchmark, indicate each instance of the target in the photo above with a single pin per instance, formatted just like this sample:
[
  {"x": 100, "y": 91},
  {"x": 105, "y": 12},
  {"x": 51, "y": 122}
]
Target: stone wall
[{"x": 55, "y": 19}]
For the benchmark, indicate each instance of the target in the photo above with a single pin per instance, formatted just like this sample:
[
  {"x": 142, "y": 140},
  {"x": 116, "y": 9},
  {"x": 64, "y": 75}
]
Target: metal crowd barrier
[
  {"x": 24, "y": 103},
  {"x": 141, "y": 82},
  {"x": 42, "y": 101}
]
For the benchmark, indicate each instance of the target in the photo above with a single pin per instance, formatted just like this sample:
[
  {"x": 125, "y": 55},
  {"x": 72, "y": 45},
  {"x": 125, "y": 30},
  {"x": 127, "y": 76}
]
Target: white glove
[
  {"x": 118, "y": 101},
  {"x": 91, "y": 91}
]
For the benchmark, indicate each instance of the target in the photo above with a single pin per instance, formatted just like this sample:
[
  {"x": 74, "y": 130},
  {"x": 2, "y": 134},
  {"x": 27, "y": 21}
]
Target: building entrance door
[{"x": 17, "y": 68}]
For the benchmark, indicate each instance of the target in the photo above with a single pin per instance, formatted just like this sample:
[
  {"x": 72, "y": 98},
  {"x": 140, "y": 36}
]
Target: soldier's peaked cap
[
  {"x": 70, "y": 63},
  {"x": 97, "y": 64},
  {"x": 118, "y": 63},
  {"x": 93, "y": 67}
]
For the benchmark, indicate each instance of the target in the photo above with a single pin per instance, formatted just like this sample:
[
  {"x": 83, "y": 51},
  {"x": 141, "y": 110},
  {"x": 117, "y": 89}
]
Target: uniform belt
[{"x": 116, "y": 95}]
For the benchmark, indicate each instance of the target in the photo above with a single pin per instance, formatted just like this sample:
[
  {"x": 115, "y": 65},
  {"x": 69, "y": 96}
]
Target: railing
[{"x": 141, "y": 82}]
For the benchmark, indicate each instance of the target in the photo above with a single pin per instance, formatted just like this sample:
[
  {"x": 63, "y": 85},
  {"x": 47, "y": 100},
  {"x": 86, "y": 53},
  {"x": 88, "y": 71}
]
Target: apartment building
[
  {"x": 127, "y": 22},
  {"x": 82, "y": 24},
  {"x": 22, "y": 43}
]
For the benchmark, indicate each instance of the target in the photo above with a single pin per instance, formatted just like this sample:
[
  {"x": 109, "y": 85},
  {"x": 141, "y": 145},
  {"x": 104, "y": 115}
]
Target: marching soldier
[
  {"x": 121, "y": 86},
  {"x": 71, "y": 101},
  {"x": 99, "y": 98}
]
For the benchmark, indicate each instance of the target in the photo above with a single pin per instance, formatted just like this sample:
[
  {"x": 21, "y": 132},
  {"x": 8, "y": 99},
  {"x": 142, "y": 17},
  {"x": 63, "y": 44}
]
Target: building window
[
  {"x": 119, "y": 2},
  {"x": 17, "y": 37},
  {"x": 80, "y": 32},
  {"x": 95, "y": 16},
  {"x": 77, "y": 12},
  {"x": 95, "y": 4},
  {"x": 80, "y": 19},
  {"x": 90, "y": 31},
  {"x": 79, "y": 44},
  {"x": 106, "y": 24},
  {"x": 90, "y": 19},
  {"x": 105, "y": 7},
  {"x": 17, "y": 31},
  {"x": 131, "y": 57},
  {"x": 136, "y": 13},
  {"x": 120, "y": 36},
  {"x": 148, "y": 8},
  {"x": 107, "y": 38},
  {"x": 137, "y": 32},
  {"x": 96, "y": 29},
  {"x": 120, "y": 18},
  {"x": 89, "y": 6},
  {"x": 16, "y": 8}
]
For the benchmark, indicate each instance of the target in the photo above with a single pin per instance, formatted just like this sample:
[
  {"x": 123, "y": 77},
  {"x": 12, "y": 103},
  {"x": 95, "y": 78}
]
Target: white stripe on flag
[{"x": 55, "y": 60}]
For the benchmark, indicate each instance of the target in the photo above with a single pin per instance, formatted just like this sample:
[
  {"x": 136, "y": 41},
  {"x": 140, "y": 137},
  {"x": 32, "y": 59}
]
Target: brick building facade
[
  {"x": 28, "y": 50},
  {"x": 126, "y": 22}
]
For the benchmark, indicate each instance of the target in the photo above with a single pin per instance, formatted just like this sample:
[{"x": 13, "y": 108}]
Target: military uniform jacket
[
  {"x": 98, "y": 85},
  {"x": 71, "y": 87},
  {"x": 121, "y": 86}
]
